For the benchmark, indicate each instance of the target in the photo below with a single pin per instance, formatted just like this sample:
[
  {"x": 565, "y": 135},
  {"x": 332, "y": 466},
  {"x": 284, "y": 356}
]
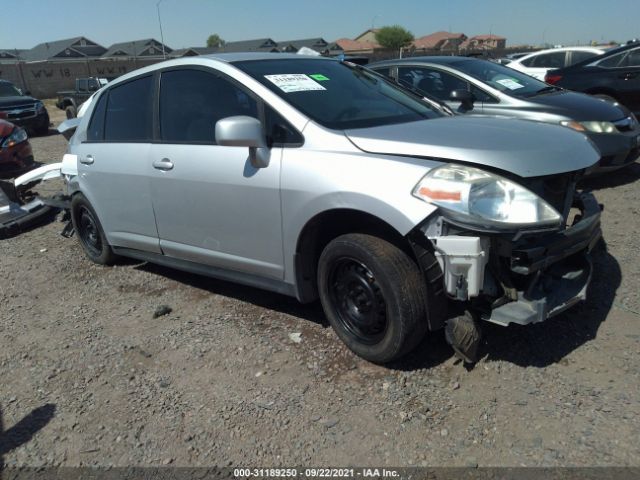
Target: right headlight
[
  {"x": 595, "y": 126},
  {"x": 477, "y": 197}
]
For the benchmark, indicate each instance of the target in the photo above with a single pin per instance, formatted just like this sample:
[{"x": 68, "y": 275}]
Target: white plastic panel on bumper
[{"x": 463, "y": 260}]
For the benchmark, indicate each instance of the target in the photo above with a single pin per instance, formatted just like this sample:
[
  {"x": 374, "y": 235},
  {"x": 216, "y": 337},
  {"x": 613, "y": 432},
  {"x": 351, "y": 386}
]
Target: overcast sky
[{"x": 188, "y": 23}]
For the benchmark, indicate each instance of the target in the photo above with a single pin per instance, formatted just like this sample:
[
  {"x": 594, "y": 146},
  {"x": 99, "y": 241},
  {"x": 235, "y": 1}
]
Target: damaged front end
[
  {"x": 21, "y": 209},
  {"x": 524, "y": 272}
]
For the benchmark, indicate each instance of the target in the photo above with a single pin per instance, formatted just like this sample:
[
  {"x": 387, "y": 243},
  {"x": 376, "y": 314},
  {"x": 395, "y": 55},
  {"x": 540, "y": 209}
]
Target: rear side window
[
  {"x": 95, "y": 132},
  {"x": 548, "y": 60},
  {"x": 579, "y": 56},
  {"x": 129, "y": 116},
  {"x": 192, "y": 102}
]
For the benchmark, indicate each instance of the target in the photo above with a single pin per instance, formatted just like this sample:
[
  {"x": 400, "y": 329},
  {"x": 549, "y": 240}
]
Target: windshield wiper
[{"x": 549, "y": 88}]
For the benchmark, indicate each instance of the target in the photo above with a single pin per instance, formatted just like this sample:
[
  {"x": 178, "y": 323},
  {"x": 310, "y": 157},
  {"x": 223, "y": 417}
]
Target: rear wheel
[
  {"x": 70, "y": 111},
  {"x": 90, "y": 233},
  {"x": 374, "y": 296}
]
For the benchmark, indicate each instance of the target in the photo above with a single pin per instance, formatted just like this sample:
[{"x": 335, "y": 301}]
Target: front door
[{"x": 211, "y": 205}]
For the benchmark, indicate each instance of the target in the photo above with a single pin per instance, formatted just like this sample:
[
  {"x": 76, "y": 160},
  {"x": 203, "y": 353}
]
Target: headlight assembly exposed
[
  {"x": 593, "y": 127},
  {"x": 17, "y": 136},
  {"x": 476, "y": 197}
]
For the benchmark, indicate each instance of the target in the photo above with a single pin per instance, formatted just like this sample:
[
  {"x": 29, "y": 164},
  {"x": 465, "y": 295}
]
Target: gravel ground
[{"x": 90, "y": 376}]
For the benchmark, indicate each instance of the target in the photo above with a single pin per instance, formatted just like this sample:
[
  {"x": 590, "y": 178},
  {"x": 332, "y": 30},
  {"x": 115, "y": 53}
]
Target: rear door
[
  {"x": 212, "y": 206},
  {"x": 113, "y": 164}
]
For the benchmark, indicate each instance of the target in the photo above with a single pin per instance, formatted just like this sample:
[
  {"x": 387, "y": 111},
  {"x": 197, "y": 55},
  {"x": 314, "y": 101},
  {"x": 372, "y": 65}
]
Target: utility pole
[{"x": 160, "y": 23}]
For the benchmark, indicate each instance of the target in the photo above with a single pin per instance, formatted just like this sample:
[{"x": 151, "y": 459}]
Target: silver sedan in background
[{"x": 474, "y": 86}]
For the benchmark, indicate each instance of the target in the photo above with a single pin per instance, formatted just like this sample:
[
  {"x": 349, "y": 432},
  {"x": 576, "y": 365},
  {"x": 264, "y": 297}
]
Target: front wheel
[
  {"x": 374, "y": 296},
  {"x": 90, "y": 233}
]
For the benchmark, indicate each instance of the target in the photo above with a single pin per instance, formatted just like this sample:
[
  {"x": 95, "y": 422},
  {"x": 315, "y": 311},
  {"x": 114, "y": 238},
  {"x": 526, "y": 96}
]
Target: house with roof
[
  {"x": 148, "y": 47},
  {"x": 319, "y": 45},
  {"x": 194, "y": 51},
  {"x": 77, "y": 47},
  {"x": 368, "y": 36},
  {"x": 443, "y": 41},
  {"x": 257, "y": 45},
  {"x": 8, "y": 55},
  {"x": 484, "y": 42}
]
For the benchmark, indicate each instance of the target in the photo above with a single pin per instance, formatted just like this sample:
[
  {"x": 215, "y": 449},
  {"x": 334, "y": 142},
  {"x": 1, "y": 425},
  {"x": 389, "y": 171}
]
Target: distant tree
[
  {"x": 215, "y": 41},
  {"x": 394, "y": 37}
]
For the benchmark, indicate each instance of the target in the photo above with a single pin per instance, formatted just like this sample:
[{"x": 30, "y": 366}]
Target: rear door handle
[
  {"x": 164, "y": 164},
  {"x": 88, "y": 160},
  {"x": 629, "y": 75}
]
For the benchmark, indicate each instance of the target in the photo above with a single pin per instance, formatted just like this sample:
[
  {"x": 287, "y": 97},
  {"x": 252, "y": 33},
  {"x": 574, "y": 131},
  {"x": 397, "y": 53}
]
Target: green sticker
[{"x": 319, "y": 77}]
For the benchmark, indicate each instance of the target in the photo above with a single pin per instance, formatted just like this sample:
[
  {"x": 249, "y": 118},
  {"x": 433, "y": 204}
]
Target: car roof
[{"x": 442, "y": 60}]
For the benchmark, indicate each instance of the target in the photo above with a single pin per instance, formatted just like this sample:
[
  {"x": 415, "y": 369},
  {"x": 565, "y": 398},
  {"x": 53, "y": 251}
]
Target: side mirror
[
  {"x": 465, "y": 97},
  {"x": 244, "y": 131}
]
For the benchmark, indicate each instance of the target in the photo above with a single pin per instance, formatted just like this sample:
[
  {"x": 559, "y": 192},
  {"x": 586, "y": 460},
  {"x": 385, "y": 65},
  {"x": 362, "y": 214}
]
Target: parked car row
[
  {"x": 317, "y": 178},
  {"x": 471, "y": 86}
]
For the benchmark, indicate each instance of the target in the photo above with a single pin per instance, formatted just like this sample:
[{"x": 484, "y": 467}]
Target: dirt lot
[{"x": 90, "y": 377}]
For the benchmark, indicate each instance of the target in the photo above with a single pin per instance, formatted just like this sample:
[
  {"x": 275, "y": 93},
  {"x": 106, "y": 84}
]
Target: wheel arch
[{"x": 324, "y": 227}]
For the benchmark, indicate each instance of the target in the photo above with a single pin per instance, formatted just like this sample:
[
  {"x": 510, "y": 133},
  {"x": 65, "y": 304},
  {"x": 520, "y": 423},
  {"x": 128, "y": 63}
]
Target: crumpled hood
[{"x": 525, "y": 148}]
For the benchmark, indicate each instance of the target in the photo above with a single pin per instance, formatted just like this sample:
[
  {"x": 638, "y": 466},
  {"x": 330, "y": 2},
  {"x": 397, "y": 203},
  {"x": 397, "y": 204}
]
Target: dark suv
[{"x": 23, "y": 110}]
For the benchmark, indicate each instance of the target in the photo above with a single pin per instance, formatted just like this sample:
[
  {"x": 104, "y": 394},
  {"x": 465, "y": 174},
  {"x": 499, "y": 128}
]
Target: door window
[
  {"x": 192, "y": 101},
  {"x": 437, "y": 83},
  {"x": 95, "y": 132},
  {"x": 129, "y": 116}
]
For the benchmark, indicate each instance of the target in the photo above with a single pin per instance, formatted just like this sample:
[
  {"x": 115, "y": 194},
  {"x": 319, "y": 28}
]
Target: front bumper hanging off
[
  {"x": 554, "y": 271},
  {"x": 519, "y": 278}
]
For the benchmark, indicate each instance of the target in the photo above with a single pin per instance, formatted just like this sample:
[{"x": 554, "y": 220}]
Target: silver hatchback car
[{"x": 316, "y": 178}]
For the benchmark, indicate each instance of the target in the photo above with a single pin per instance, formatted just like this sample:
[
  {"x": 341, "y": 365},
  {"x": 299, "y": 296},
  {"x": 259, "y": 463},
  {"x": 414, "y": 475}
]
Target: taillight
[{"x": 552, "y": 79}]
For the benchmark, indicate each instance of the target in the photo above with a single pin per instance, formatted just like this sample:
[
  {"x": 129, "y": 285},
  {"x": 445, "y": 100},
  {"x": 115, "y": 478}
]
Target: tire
[
  {"x": 70, "y": 111},
  {"x": 373, "y": 295},
  {"x": 89, "y": 231}
]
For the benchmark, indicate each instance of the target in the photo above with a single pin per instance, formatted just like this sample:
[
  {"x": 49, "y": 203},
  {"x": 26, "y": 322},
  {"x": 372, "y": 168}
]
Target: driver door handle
[
  {"x": 164, "y": 164},
  {"x": 87, "y": 160},
  {"x": 629, "y": 75}
]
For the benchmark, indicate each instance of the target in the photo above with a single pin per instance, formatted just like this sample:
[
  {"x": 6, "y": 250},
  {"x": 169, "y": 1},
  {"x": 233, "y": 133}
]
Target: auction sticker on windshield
[
  {"x": 510, "y": 83},
  {"x": 294, "y": 82}
]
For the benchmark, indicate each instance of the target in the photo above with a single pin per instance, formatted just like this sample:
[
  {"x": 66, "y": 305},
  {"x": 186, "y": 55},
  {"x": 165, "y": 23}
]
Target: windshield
[
  {"x": 337, "y": 95},
  {"x": 8, "y": 90},
  {"x": 502, "y": 78}
]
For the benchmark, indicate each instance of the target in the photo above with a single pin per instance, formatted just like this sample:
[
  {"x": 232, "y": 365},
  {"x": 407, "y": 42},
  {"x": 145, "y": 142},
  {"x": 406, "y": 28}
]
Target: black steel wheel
[
  {"x": 373, "y": 295},
  {"x": 90, "y": 233},
  {"x": 358, "y": 300}
]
